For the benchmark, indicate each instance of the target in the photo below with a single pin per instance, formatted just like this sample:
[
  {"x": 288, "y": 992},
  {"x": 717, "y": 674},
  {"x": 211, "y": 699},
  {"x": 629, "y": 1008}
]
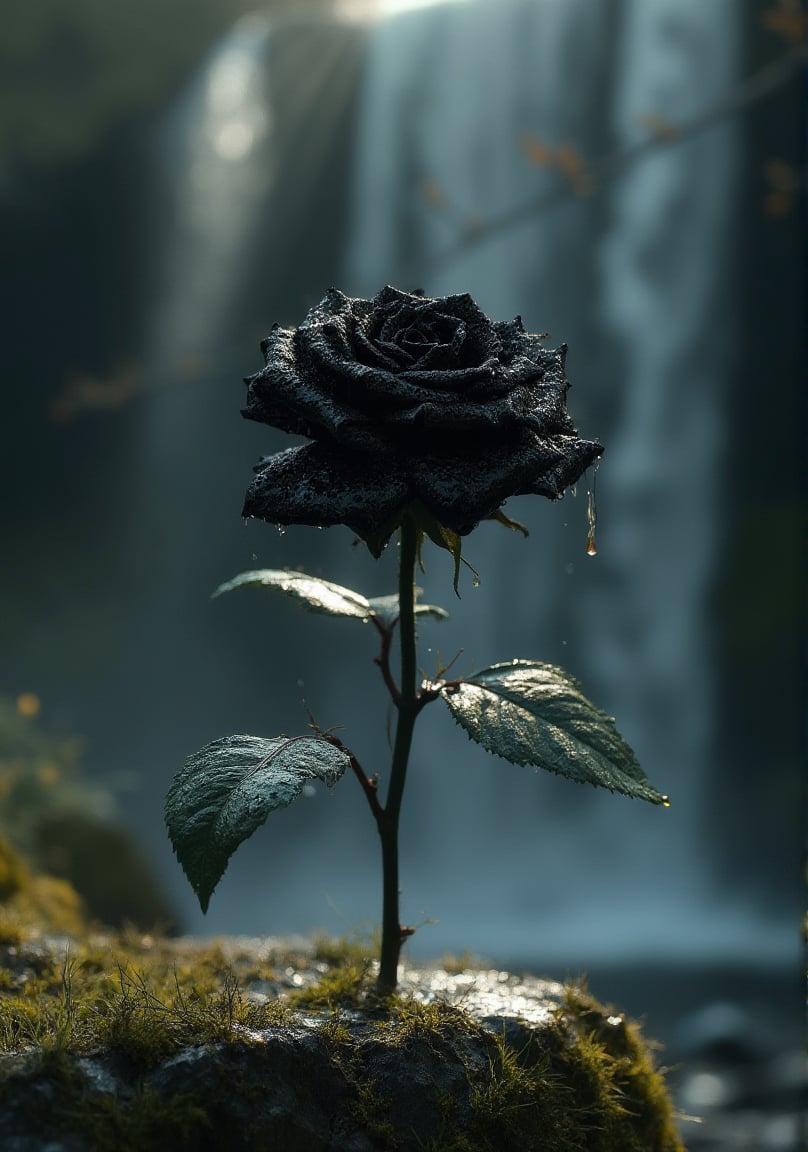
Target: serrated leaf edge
[{"x": 644, "y": 790}]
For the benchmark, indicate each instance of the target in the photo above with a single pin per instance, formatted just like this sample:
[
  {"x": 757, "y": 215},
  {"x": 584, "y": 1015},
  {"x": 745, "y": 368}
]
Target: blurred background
[{"x": 628, "y": 175}]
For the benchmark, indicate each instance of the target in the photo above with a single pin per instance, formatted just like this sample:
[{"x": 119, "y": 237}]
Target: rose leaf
[
  {"x": 317, "y": 595},
  {"x": 532, "y": 713},
  {"x": 385, "y": 608},
  {"x": 227, "y": 789}
]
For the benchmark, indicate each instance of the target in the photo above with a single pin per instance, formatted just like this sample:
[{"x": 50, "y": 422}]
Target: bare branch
[{"x": 754, "y": 88}]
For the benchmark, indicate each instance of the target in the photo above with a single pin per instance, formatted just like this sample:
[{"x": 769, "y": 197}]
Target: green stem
[{"x": 393, "y": 935}]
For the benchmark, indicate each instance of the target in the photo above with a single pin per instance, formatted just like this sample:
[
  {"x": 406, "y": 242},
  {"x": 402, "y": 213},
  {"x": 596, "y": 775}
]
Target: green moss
[
  {"x": 335, "y": 1032},
  {"x": 144, "y": 1003},
  {"x": 589, "y": 1085},
  {"x": 411, "y": 1020},
  {"x": 345, "y": 986},
  {"x": 615, "y": 1068},
  {"x": 370, "y": 1110},
  {"x": 594, "y": 1088},
  {"x": 148, "y": 1020}
]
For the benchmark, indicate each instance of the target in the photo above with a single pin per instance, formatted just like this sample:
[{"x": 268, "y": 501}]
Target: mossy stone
[{"x": 130, "y": 1042}]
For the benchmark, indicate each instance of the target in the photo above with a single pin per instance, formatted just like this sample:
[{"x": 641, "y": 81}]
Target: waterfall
[
  {"x": 356, "y": 154},
  {"x": 638, "y": 278}
]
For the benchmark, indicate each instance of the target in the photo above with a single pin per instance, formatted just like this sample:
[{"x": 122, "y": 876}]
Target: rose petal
[
  {"x": 463, "y": 488},
  {"x": 482, "y": 340},
  {"x": 382, "y": 352},
  {"x": 363, "y": 385},
  {"x": 290, "y": 397},
  {"x": 334, "y": 303},
  {"x": 317, "y": 484},
  {"x": 395, "y": 311},
  {"x": 417, "y": 427},
  {"x": 392, "y": 296},
  {"x": 484, "y": 377}
]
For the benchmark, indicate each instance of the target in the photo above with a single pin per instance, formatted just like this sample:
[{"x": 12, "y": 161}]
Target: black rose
[{"x": 411, "y": 403}]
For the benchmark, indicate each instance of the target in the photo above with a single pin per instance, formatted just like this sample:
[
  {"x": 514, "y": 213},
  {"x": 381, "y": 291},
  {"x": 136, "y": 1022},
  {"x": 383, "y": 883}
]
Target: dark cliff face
[{"x": 255, "y": 1047}]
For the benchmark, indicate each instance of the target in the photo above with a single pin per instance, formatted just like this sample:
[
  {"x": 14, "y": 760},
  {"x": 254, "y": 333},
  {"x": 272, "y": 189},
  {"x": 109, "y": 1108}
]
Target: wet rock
[{"x": 460, "y": 1061}]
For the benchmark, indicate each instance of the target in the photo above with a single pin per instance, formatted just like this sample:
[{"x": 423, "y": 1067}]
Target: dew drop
[
  {"x": 591, "y": 547},
  {"x": 666, "y": 802},
  {"x": 476, "y": 582},
  {"x": 281, "y": 529}
]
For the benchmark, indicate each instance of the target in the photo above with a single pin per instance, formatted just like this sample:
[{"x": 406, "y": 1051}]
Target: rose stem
[{"x": 393, "y": 935}]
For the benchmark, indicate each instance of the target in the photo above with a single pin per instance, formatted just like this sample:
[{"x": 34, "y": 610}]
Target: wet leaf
[
  {"x": 227, "y": 789},
  {"x": 532, "y": 713},
  {"x": 386, "y": 608},
  {"x": 330, "y": 599},
  {"x": 317, "y": 595}
]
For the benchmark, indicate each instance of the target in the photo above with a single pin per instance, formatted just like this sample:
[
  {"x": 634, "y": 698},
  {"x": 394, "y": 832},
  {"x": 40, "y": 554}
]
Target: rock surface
[{"x": 274, "y": 1044}]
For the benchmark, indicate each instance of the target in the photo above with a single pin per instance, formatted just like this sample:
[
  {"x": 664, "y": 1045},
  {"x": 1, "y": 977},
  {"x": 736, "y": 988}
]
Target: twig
[
  {"x": 383, "y": 659},
  {"x": 370, "y": 784},
  {"x": 758, "y": 86}
]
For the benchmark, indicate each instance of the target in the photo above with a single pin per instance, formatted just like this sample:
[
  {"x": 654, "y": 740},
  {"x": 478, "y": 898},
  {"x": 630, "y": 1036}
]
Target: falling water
[{"x": 638, "y": 280}]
